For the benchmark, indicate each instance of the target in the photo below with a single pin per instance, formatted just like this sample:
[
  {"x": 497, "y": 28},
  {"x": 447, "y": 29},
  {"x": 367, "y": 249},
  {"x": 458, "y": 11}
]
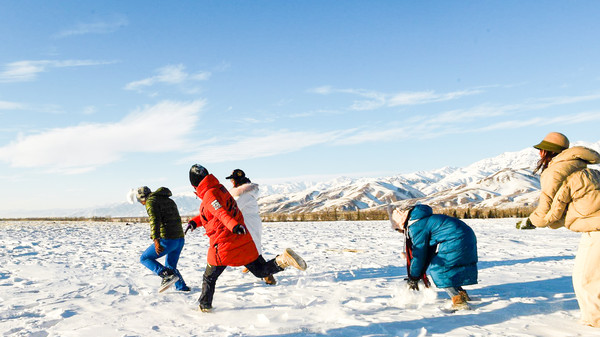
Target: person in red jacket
[{"x": 230, "y": 242}]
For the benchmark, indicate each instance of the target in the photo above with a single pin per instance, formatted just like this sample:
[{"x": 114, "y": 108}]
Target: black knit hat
[{"x": 197, "y": 174}]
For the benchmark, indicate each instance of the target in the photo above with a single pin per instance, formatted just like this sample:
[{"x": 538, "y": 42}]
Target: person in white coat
[{"x": 245, "y": 194}]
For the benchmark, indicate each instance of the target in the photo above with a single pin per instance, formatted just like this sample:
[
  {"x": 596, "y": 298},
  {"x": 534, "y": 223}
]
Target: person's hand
[
  {"x": 239, "y": 229},
  {"x": 157, "y": 247},
  {"x": 413, "y": 283},
  {"x": 191, "y": 225},
  {"x": 525, "y": 224}
]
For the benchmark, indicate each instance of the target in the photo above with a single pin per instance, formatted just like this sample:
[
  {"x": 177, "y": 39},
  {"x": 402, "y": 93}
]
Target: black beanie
[{"x": 197, "y": 174}]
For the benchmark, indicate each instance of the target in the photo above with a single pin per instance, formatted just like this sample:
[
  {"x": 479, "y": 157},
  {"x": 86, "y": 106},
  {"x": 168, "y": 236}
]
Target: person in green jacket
[{"x": 167, "y": 234}]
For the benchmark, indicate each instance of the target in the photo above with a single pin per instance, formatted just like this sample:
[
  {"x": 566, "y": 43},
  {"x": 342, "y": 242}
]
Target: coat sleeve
[
  {"x": 420, "y": 250},
  {"x": 539, "y": 214},
  {"x": 198, "y": 220},
  {"x": 559, "y": 205},
  {"x": 153, "y": 219},
  {"x": 550, "y": 181},
  {"x": 218, "y": 210}
]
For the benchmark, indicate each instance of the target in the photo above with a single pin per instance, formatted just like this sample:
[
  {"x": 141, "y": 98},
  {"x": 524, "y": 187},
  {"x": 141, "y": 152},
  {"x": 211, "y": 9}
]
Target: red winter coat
[{"x": 219, "y": 213}]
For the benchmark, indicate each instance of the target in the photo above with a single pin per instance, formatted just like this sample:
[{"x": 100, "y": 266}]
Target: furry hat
[{"x": 142, "y": 193}]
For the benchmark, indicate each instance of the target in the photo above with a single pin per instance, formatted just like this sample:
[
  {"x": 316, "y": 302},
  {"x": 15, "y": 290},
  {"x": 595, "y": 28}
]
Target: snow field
[{"x": 85, "y": 279}]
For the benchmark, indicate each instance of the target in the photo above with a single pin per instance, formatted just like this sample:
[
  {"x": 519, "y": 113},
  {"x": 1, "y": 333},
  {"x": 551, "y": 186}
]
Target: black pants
[{"x": 259, "y": 268}]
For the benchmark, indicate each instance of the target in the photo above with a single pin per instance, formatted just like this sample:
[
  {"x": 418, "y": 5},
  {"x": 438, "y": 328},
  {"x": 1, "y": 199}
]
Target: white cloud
[
  {"x": 80, "y": 148},
  {"x": 23, "y": 71},
  {"x": 5, "y": 105},
  {"x": 324, "y": 90},
  {"x": 98, "y": 27},
  {"x": 471, "y": 120},
  {"x": 266, "y": 145},
  {"x": 375, "y": 100},
  {"x": 89, "y": 110},
  {"x": 486, "y": 111},
  {"x": 583, "y": 117},
  {"x": 423, "y": 97},
  {"x": 171, "y": 74},
  {"x": 415, "y": 127}
]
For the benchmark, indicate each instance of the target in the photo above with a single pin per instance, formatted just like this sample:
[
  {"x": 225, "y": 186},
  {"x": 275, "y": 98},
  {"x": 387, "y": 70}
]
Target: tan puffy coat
[{"x": 570, "y": 194}]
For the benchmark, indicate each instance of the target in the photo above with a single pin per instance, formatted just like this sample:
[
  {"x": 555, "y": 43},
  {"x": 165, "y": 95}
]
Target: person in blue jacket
[{"x": 444, "y": 245}]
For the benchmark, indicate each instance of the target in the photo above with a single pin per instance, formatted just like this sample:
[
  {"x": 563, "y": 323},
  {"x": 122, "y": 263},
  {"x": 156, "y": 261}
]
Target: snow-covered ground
[{"x": 85, "y": 279}]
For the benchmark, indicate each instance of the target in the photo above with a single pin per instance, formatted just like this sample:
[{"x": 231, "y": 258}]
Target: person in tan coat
[{"x": 570, "y": 197}]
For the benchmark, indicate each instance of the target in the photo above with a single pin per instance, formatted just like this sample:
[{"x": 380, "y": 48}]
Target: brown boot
[
  {"x": 290, "y": 258},
  {"x": 245, "y": 270},
  {"x": 464, "y": 295},
  {"x": 270, "y": 280},
  {"x": 459, "y": 303}
]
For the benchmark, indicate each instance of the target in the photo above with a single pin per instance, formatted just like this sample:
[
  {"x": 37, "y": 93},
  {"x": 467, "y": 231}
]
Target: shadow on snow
[
  {"x": 400, "y": 271},
  {"x": 490, "y": 264},
  {"x": 544, "y": 297}
]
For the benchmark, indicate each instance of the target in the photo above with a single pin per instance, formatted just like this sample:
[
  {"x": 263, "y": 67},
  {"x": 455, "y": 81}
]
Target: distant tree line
[
  {"x": 328, "y": 215},
  {"x": 380, "y": 214},
  {"x": 486, "y": 213},
  {"x": 67, "y": 218}
]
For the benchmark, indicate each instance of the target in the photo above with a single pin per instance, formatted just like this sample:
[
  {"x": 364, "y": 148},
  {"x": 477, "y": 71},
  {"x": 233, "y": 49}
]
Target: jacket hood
[
  {"x": 243, "y": 189},
  {"x": 420, "y": 212},
  {"x": 578, "y": 152},
  {"x": 210, "y": 181},
  {"x": 162, "y": 191}
]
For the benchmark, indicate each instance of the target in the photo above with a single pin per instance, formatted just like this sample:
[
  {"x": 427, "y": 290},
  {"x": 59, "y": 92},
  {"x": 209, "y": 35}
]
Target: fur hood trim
[{"x": 242, "y": 189}]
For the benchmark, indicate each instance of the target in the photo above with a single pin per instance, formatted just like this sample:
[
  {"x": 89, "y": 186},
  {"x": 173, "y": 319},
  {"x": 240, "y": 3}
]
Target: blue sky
[{"x": 99, "y": 97}]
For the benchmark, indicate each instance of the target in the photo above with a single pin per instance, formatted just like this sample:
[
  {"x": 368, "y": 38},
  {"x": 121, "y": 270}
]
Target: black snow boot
[
  {"x": 168, "y": 279},
  {"x": 205, "y": 307}
]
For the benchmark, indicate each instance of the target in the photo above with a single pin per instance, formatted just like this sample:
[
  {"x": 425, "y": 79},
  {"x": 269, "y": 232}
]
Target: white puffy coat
[{"x": 246, "y": 196}]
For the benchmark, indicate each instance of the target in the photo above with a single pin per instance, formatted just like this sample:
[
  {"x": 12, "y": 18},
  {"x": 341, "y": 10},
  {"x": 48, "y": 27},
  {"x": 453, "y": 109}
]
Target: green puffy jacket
[{"x": 165, "y": 222}]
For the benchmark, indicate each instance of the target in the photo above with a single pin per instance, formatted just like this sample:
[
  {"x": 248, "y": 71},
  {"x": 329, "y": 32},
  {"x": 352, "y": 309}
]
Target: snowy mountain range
[{"x": 504, "y": 181}]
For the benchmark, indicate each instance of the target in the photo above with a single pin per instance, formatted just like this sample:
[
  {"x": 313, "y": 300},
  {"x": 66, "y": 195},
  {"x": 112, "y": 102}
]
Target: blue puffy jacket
[{"x": 446, "y": 245}]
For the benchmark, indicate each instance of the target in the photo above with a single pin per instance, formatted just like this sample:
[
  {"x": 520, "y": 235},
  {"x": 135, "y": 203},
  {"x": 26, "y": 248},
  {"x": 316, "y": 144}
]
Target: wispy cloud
[
  {"x": 81, "y": 148},
  {"x": 374, "y": 100},
  {"x": 97, "y": 27},
  {"x": 471, "y": 120},
  {"x": 264, "y": 145},
  {"x": 89, "y": 110},
  {"x": 5, "y": 105},
  {"x": 423, "y": 97},
  {"x": 487, "y": 111},
  {"x": 171, "y": 74},
  {"x": 28, "y": 70},
  {"x": 318, "y": 112},
  {"x": 577, "y": 118},
  {"x": 477, "y": 119}
]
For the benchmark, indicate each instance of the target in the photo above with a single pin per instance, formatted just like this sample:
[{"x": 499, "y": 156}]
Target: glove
[
  {"x": 525, "y": 224},
  {"x": 413, "y": 283},
  {"x": 157, "y": 247},
  {"x": 239, "y": 229},
  {"x": 191, "y": 225}
]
